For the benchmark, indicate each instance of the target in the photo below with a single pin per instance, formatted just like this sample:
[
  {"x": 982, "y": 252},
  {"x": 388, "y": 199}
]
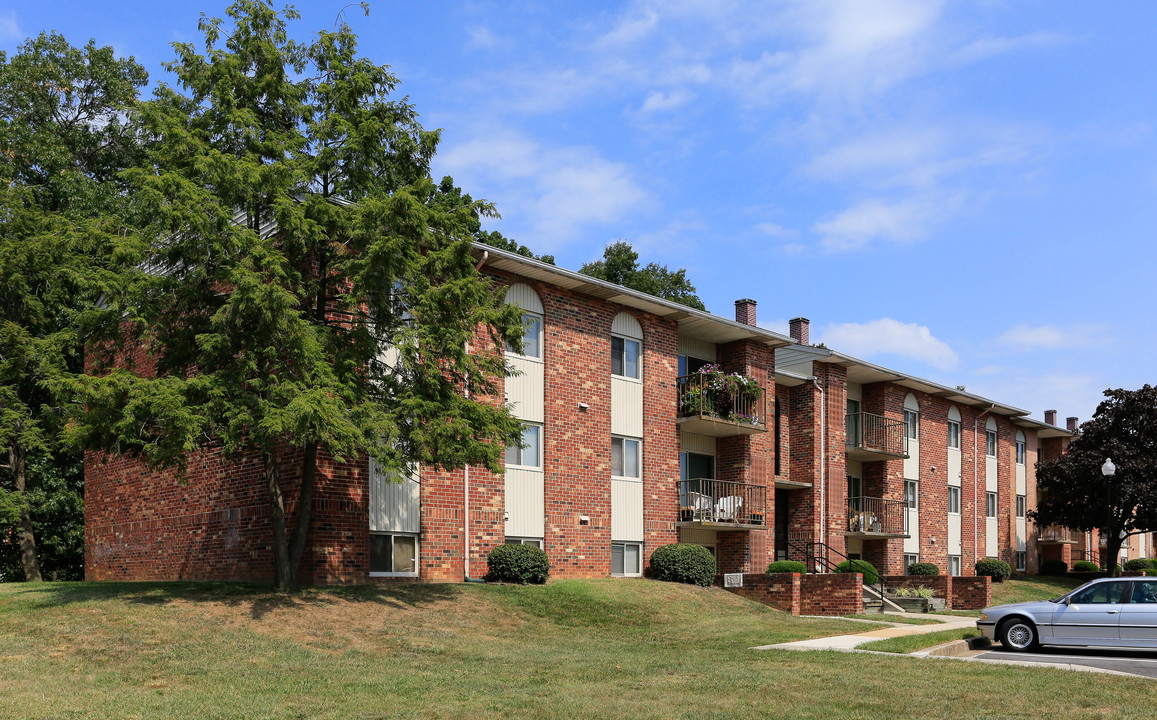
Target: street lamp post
[{"x": 1109, "y": 470}]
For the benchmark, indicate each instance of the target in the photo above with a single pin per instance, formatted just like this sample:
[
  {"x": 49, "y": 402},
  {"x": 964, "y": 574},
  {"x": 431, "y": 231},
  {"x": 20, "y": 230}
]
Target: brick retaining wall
[
  {"x": 780, "y": 591},
  {"x": 831, "y": 594}
]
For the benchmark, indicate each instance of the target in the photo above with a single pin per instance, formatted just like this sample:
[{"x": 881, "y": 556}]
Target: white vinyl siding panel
[
  {"x": 524, "y": 502},
  {"x": 524, "y": 297},
  {"x": 990, "y": 478},
  {"x": 1021, "y": 535},
  {"x": 626, "y": 510},
  {"x": 696, "y": 348},
  {"x": 1020, "y": 479},
  {"x": 689, "y": 442},
  {"x": 699, "y": 536},
  {"x": 626, "y": 407},
  {"x": 626, "y": 325},
  {"x": 855, "y": 391},
  {"x": 395, "y": 506},
  {"x": 990, "y": 548},
  {"x": 525, "y": 391},
  {"x": 954, "y": 535}
]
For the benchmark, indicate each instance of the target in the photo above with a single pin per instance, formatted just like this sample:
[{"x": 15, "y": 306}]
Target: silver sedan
[{"x": 1109, "y": 612}]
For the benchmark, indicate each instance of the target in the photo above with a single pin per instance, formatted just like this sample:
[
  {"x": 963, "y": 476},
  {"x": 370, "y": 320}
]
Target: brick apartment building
[{"x": 646, "y": 423}]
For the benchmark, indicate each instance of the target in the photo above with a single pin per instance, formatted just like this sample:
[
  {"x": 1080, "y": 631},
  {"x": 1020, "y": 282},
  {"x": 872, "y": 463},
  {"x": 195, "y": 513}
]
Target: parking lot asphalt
[{"x": 1123, "y": 661}]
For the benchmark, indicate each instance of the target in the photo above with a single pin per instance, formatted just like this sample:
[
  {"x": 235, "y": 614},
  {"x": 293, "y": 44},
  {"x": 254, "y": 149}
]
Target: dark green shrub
[
  {"x": 923, "y": 568},
  {"x": 684, "y": 563},
  {"x": 1139, "y": 564},
  {"x": 786, "y": 566},
  {"x": 998, "y": 570},
  {"x": 1086, "y": 566},
  {"x": 520, "y": 564},
  {"x": 1054, "y": 567},
  {"x": 863, "y": 567}
]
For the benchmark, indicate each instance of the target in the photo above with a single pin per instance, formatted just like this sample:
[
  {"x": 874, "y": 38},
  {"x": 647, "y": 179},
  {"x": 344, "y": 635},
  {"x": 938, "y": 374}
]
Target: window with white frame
[
  {"x": 626, "y": 559},
  {"x": 1020, "y": 452},
  {"x": 1021, "y": 560},
  {"x": 536, "y": 542},
  {"x": 393, "y": 554},
  {"x": 911, "y": 424},
  {"x": 990, "y": 443},
  {"x": 953, "y": 434},
  {"x": 531, "y": 336},
  {"x": 626, "y": 457},
  {"x": 625, "y": 357},
  {"x": 912, "y": 494},
  {"x": 529, "y": 453},
  {"x": 990, "y": 505},
  {"x": 953, "y": 564},
  {"x": 910, "y": 560},
  {"x": 953, "y": 500},
  {"x": 1020, "y": 503}
]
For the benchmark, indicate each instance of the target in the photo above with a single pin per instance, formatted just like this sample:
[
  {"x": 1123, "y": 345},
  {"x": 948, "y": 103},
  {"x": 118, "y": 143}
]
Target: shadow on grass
[{"x": 260, "y": 599}]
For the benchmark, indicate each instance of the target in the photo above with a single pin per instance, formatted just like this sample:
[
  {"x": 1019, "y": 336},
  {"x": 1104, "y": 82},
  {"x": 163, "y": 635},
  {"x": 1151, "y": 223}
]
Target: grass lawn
[
  {"x": 912, "y": 643},
  {"x": 1032, "y": 587},
  {"x": 883, "y": 618},
  {"x": 607, "y": 649}
]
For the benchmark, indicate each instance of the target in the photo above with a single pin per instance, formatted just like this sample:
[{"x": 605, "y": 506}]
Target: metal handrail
[
  {"x": 875, "y": 432},
  {"x": 710, "y": 500},
  {"x": 876, "y": 515},
  {"x": 1057, "y": 533},
  {"x": 825, "y": 560},
  {"x": 698, "y": 395}
]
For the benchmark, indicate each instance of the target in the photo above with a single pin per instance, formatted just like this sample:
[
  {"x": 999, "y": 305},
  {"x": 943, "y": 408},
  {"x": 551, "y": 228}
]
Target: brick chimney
[
  {"x": 799, "y": 330},
  {"x": 1071, "y": 424},
  {"x": 1051, "y": 417},
  {"x": 745, "y": 311}
]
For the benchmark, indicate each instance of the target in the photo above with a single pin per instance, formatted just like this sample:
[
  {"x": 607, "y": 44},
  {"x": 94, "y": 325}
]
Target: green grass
[
  {"x": 607, "y": 649},
  {"x": 882, "y": 618},
  {"x": 961, "y": 613},
  {"x": 912, "y": 643},
  {"x": 1031, "y": 587}
]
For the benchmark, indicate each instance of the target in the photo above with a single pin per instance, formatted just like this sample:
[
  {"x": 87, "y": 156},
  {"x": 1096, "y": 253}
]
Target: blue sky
[{"x": 962, "y": 191}]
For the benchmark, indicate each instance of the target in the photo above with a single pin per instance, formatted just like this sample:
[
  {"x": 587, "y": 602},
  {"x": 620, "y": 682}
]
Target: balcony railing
[
  {"x": 723, "y": 502},
  {"x": 718, "y": 404},
  {"x": 876, "y": 517},
  {"x": 874, "y": 437},
  {"x": 1055, "y": 534}
]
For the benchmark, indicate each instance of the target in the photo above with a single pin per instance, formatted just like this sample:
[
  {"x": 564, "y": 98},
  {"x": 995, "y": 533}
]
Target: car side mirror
[{"x": 1067, "y": 601}]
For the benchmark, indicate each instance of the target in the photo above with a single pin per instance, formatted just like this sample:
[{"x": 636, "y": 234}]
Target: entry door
[
  {"x": 782, "y": 513},
  {"x": 1138, "y": 624},
  {"x": 1091, "y": 617}
]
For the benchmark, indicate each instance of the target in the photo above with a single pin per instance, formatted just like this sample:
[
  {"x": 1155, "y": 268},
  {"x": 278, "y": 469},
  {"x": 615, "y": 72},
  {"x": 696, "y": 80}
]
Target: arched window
[
  {"x": 526, "y": 298},
  {"x": 1020, "y": 449},
  {"x": 626, "y": 347},
  {"x": 990, "y": 437},
  {"x": 953, "y": 428},
  {"x": 911, "y": 418}
]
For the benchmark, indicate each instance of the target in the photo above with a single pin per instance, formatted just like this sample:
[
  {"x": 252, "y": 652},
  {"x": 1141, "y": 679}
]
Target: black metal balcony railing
[
  {"x": 722, "y": 501},
  {"x": 1058, "y": 534},
  {"x": 875, "y": 433},
  {"x": 736, "y": 399},
  {"x": 876, "y": 516}
]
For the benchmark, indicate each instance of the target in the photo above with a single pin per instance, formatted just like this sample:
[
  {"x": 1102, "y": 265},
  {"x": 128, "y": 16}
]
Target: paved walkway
[{"x": 847, "y": 642}]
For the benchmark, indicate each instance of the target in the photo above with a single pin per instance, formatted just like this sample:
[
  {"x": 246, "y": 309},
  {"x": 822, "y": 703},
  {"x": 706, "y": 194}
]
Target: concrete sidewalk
[{"x": 847, "y": 642}]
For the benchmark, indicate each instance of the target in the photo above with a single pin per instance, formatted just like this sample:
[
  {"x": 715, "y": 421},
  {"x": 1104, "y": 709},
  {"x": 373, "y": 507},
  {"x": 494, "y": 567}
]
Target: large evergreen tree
[
  {"x": 296, "y": 234},
  {"x": 620, "y": 265},
  {"x": 1076, "y": 494},
  {"x": 63, "y": 143}
]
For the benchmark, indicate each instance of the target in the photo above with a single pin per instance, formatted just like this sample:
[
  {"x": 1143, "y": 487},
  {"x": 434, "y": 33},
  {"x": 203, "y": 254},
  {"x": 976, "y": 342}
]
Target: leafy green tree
[
  {"x": 56, "y": 508},
  {"x": 310, "y": 289},
  {"x": 1073, "y": 491},
  {"x": 452, "y": 196},
  {"x": 63, "y": 142},
  {"x": 620, "y": 265}
]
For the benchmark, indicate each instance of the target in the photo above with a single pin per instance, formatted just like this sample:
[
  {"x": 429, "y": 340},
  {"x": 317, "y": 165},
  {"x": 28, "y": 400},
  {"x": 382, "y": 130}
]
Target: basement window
[
  {"x": 626, "y": 559},
  {"x": 953, "y": 564},
  {"x": 536, "y": 542},
  {"x": 393, "y": 555}
]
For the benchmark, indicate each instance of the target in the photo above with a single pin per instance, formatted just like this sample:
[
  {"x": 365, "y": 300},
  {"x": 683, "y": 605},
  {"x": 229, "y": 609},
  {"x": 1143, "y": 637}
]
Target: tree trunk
[
  {"x": 1113, "y": 543},
  {"x": 28, "y": 557},
  {"x": 283, "y": 578},
  {"x": 304, "y": 507}
]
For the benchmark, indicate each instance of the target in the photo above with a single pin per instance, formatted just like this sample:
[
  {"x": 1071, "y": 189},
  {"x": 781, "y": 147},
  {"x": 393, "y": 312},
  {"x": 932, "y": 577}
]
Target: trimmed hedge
[
  {"x": 684, "y": 563},
  {"x": 520, "y": 564},
  {"x": 998, "y": 570},
  {"x": 923, "y": 568},
  {"x": 1139, "y": 564},
  {"x": 865, "y": 568},
  {"x": 1086, "y": 566},
  {"x": 1054, "y": 567},
  {"x": 787, "y": 566}
]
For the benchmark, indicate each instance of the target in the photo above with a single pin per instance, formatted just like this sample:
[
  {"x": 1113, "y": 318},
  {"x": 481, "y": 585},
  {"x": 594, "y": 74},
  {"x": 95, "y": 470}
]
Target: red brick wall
[
  {"x": 831, "y": 594},
  {"x": 780, "y": 591},
  {"x": 970, "y": 593}
]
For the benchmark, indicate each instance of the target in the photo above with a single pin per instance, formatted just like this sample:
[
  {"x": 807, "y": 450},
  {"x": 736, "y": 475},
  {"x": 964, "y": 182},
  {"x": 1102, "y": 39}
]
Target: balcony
[
  {"x": 873, "y": 518},
  {"x": 718, "y": 404},
  {"x": 721, "y": 504},
  {"x": 874, "y": 437},
  {"x": 1057, "y": 535}
]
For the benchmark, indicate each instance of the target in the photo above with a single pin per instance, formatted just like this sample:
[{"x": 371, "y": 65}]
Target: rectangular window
[
  {"x": 855, "y": 493},
  {"x": 1020, "y": 452},
  {"x": 537, "y": 542},
  {"x": 531, "y": 336},
  {"x": 911, "y": 424},
  {"x": 693, "y": 466},
  {"x": 853, "y": 421},
  {"x": 626, "y": 559},
  {"x": 990, "y": 443},
  {"x": 393, "y": 554},
  {"x": 953, "y": 500},
  {"x": 912, "y": 494},
  {"x": 626, "y": 457},
  {"x": 990, "y": 505},
  {"x": 530, "y": 454},
  {"x": 953, "y": 564},
  {"x": 1021, "y": 560},
  {"x": 624, "y": 357},
  {"x": 953, "y": 434},
  {"x": 910, "y": 560},
  {"x": 1020, "y": 506}
]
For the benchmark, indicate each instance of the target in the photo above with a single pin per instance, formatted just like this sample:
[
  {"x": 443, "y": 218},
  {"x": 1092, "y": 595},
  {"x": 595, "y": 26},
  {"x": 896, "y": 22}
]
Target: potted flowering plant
[{"x": 731, "y": 396}]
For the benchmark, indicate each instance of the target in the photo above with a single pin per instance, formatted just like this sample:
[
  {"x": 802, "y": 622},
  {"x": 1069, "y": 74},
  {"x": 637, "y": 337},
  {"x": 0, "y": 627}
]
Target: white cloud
[
  {"x": 984, "y": 48},
  {"x": 481, "y": 38},
  {"x": 659, "y": 101},
  {"x": 10, "y": 28},
  {"x": 1070, "y": 394},
  {"x": 892, "y": 337},
  {"x": 1023, "y": 338},
  {"x": 902, "y": 221},
  {"x": 630, "y": 29},
  {"x": 777, "y": 231}
]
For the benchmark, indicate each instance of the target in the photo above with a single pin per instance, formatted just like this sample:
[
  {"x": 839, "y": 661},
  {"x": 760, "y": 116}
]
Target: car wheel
[{"x": 1018, "y": 635}]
